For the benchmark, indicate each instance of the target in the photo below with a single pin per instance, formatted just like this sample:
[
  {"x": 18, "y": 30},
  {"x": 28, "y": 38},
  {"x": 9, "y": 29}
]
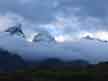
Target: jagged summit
[
  {"x": 43, "y": 37},
  {"x": 88, "y": 37},
  {"x": 16, "y": 30}
]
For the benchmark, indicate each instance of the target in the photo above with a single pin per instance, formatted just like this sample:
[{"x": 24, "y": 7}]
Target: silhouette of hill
[
  {"x": 10, "y": 62},
  {"x": 50, "y": 69},
  {"x": 55, "y": 63}
]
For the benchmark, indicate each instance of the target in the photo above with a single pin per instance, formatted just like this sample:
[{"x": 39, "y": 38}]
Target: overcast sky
[
  {"x": 63, "y": 16},
  {"x": 65, "y": 20}
]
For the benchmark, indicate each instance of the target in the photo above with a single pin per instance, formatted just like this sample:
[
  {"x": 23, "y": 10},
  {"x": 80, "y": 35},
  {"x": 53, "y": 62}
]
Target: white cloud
[{"x": 9, "y": 19}]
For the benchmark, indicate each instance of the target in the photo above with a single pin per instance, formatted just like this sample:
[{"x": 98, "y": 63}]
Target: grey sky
[{"x": 44, "y": 11}]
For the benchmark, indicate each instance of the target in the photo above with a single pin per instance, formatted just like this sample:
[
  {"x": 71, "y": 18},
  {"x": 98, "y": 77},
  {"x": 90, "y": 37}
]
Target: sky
[{"x": 65, "y": 20}]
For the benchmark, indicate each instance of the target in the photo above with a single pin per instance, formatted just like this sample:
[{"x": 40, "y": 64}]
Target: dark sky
[{"x": 66, "y": 20}]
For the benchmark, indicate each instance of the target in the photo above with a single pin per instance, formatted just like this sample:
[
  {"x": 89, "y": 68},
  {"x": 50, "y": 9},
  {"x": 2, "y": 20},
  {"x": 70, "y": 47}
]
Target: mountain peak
[
  {"x": 93, "y": 38},
  {"x": 43, "y": 37},
  {"x": 16, "y": 30},
  {"x": 88, "y": 37}
]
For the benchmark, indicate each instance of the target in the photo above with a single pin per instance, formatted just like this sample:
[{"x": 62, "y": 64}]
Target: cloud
[
  {"x": 9, "y": 19},
  {"x": 65, "y": 20},
  {"x": 91, "y": 50},
  {"x": 67, "y": 27},
  {"x": 25, "y": 2},
  {"x": 70, "y": 27},
  {"x": 34, "y": 9},
  {"x": 45, "y": 11}
]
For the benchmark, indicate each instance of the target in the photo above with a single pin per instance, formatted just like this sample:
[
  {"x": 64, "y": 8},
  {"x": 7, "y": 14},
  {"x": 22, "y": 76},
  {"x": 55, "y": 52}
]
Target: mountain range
[
  {"x": 40, "y": 37},
  {"x": 44, "y": 46}
]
